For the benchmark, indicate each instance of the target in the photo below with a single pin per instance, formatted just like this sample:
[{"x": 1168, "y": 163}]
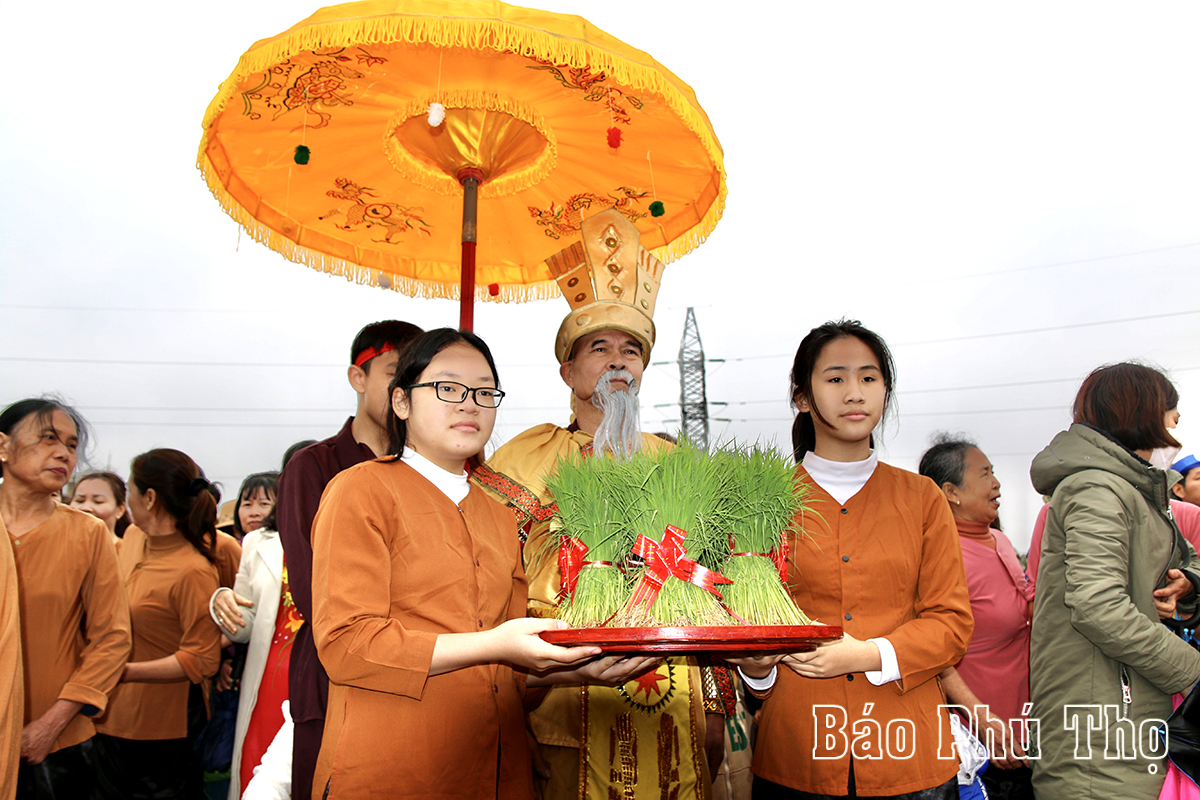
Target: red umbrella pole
[{"x": 470, "y": 179}]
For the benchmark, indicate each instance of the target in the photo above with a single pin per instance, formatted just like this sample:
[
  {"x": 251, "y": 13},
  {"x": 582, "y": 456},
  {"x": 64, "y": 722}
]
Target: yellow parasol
[{"x": 326, "y": 145}]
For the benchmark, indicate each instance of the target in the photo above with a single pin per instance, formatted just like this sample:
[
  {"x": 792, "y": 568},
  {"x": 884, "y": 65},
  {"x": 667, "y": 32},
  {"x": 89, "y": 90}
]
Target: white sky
[{"x": 1008, "y": 192}]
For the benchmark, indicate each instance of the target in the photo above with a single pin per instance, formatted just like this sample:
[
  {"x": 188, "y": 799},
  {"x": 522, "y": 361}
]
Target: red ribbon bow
[
  {"x": 570, "y": 562},
  {"x": 669, "y": 558}
]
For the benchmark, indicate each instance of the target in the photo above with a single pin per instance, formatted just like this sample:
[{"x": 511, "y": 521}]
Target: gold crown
[{"x": 610, "y": 280}]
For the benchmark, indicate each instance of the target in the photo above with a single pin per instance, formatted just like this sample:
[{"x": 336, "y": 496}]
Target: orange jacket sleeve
[
  {"x": 199, "y": 651},
  {"x": 107, "y": 630},
  {"x": 940, "y": 630}
]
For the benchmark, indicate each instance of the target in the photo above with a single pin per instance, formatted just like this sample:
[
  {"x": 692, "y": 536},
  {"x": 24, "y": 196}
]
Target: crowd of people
[{"x": 377, "y": 603}]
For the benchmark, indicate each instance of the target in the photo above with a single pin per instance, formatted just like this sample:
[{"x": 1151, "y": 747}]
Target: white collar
[
  {"x": 453, "y": 486},
  {"x": 842, "y": 479}
]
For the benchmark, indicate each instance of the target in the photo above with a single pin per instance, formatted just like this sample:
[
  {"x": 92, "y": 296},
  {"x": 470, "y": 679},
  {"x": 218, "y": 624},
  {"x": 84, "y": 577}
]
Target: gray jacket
[{"x": 1097, "y": 643}]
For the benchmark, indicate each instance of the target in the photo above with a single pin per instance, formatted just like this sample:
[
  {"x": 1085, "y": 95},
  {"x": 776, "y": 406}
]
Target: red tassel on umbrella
[{"x": 614, "y": 137}]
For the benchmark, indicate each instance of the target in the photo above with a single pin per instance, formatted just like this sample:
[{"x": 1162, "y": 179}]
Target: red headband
[{"x": 371, "y": 352}]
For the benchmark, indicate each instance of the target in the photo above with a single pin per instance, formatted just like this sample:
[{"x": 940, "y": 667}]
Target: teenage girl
[
  {"x": 878, "y": 554},
  {"x": 419, "y": 601}
]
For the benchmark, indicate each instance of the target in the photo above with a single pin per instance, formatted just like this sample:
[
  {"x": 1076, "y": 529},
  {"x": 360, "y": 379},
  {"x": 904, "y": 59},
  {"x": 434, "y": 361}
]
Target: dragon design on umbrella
[
  {"x": 312, "y": 85},
  {"x": 595, "y": 89},
  {"x": 364, "y": 210},
  {"x": 563, "y": 220}
]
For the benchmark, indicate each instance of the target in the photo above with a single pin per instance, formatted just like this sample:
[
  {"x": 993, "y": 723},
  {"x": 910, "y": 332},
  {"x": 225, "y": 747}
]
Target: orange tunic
[
  {"x": 886, "y": 564},
  {"x": 168, "y": 583},
  {"x": 74, "y": 617},
  {"x": 228, "y": 552},
  {"x": 12, "y": 699},
  {"x": 395, "y": 564}
]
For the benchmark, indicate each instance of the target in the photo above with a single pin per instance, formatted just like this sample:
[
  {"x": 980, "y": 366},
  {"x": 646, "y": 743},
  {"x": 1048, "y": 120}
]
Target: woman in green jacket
[{"x": 1102, "y": 666}]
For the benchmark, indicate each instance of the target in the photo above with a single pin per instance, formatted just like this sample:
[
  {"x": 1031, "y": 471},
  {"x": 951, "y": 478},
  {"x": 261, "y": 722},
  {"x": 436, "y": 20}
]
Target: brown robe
[
  {"x": 886, "y": 564},
  {"x": 228, "y": 552},
  {"x": 395, "y": 564},
  {"x": 169, "y": 584},
  {"x": 12, "y": 699},
  {"x": 74, "y": 617}
]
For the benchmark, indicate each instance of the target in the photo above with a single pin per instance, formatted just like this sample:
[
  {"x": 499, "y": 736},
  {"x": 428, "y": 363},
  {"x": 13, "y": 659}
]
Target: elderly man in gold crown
[{"x": 645, "y": 739}]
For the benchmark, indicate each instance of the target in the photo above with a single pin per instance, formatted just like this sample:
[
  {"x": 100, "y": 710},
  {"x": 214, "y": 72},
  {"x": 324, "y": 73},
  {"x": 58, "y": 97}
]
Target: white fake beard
[{"x": 620, "y": 431}]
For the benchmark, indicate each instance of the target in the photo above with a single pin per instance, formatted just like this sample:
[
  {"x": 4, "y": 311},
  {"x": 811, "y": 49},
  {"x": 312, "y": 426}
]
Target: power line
[
  {"x": 940, "y": 389},
  {"x": 1059, "y": 263},
  {"x": 138, "y": 363},
  {"x": 1048, "y": 329},
  {"x": 343, "y": 410},
  {"x": 908, "y": 414},
  {"x": 997, "y": 334},
  {"x": 254, "y": 364},
  {"x": 940, "y": 278},
  {"x": 143, "y": 424},
  {"x": 130, "y": 309},
  {"x": 984, "y": 411}
]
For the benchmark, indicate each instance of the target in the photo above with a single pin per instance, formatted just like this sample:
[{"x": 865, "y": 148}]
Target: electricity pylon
[{"x": 693, "y": 400}]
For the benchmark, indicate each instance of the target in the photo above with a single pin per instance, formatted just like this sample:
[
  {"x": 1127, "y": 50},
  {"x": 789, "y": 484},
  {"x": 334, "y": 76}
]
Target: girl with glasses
[{"x": 419, "y": 601}]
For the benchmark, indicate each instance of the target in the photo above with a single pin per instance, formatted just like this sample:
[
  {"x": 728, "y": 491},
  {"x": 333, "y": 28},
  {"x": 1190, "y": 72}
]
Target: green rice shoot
[
  {"x": 758, "y": 595},
  {"x": 734, "y": 500},
  {"x": 763, "y": 510},
  {"x": 592, "y": 508},
  {"x": 686, "y": 488}
]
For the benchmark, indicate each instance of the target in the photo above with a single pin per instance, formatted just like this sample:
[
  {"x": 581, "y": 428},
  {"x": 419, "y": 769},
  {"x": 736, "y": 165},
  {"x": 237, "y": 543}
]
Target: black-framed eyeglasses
[{"x": 453, "y": 392}]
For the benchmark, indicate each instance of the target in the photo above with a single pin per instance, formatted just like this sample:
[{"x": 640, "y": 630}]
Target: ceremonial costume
[
  {"x": 605, "y": 724},
  {"x": 885, "y": 563},
  {"x": 396, "y": 563},
  {"x": 644, "y": 739}
]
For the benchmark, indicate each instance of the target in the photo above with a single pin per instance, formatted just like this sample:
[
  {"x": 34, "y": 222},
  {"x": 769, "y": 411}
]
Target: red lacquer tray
[{"x": 726, "y": 639}]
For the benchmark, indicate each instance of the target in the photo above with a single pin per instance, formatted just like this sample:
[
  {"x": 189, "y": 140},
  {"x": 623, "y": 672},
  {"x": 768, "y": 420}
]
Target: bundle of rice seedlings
[
  {"x": 764, "y": 503},
  {"x": 682, "y": 488},
  {"x": 592, "y": 498}
]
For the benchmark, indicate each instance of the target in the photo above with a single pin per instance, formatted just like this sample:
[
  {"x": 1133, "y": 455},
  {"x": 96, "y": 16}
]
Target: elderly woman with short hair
[{"x": 994, "y": 673}]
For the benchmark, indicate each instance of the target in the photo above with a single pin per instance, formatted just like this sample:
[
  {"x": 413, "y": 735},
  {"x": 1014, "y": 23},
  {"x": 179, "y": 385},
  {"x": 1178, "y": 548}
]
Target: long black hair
[
  {"x": 180, "y": 485},
  {"x": 804, "y": 434},
  {"x": 413, "y": 361}
]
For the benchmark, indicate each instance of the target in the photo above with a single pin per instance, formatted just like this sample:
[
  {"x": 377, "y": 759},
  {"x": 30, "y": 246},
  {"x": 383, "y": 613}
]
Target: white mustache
[{"x": 604, "y": 384}]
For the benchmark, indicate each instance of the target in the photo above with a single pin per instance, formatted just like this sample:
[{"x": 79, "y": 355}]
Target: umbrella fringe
[
  {"x": 695, "y": 237},
  {"x": 507, "y": 293},
  {"x": 356, "y": 273},
  {"x": 564, "y": 46},
  {"x": 624, "y": 64}
]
